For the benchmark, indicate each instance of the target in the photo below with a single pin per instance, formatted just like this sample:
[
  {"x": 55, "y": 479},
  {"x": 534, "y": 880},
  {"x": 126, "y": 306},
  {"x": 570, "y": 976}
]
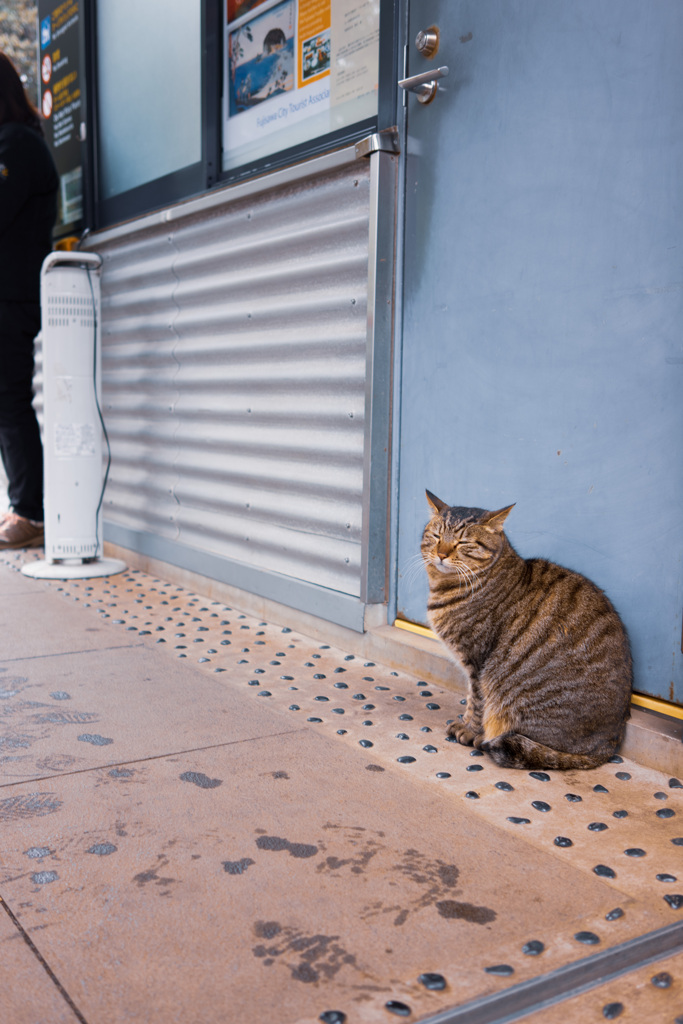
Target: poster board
[
  {"x": 295, "y": 70},
  {"x": 60, "y": 78}
]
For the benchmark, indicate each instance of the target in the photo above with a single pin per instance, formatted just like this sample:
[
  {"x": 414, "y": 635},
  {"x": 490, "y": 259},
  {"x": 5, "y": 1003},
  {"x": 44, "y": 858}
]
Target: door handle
[{"x": 424, "y": 86}]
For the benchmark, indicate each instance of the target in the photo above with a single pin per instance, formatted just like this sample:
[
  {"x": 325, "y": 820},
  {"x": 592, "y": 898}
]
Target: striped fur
[{"x": 547, "y": 655}]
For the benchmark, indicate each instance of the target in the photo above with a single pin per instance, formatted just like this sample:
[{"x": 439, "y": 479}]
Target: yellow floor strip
[
  {"x": 412, "y": 628},
  {"x": 656, "y": 704},
  {"x": 663, "y": 707}
]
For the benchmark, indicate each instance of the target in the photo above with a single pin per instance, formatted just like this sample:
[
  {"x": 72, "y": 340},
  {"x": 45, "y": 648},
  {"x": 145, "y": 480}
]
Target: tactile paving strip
[{"x": 621, "y": 822}]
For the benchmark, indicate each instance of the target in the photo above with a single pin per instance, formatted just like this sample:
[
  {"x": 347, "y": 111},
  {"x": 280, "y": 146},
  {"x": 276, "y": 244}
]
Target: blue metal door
[{"x": 542, "y": 327}]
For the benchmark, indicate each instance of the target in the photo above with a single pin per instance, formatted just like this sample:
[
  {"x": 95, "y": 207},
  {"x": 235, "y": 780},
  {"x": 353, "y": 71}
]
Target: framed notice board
[
  {"x": 61, "y": 101},
  {"x": 294, "y": 71}
]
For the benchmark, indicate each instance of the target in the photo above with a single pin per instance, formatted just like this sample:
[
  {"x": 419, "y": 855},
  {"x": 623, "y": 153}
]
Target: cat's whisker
[
  {"x": 473, "y": 580},
  {"x": 467, "y": 577},
  {"x": 412, "y": 568}
]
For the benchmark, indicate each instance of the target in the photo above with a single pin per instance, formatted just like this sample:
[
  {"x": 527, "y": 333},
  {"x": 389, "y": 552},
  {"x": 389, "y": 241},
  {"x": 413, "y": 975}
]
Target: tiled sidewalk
[{"x": 208, "y": 818}]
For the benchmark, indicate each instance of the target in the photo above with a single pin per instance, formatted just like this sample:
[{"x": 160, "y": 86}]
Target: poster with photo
[
  {"x": 286, "y": 60},
  {"x": 261, "y": 54},
  {"x": 314, "y": 40}
]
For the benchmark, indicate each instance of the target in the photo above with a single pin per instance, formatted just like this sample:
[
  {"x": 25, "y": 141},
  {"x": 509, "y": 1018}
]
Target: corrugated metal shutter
[{"x": 234, "y": 366}]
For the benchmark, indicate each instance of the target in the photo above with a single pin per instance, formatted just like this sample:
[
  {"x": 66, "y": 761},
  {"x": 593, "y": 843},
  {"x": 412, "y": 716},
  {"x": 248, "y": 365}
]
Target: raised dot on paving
[
  {"x": 612, "y": 1010},
  {"x": 501, "y": 970},
  {"x": 604, "y": 871},
  {"x": 587, "y": 938},
  {"x": 397, "y": 1007},
  {"x": 432, "y": 981}
]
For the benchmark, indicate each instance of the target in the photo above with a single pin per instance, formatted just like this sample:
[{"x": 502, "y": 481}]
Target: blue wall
[{"x": 543, "y": 326}]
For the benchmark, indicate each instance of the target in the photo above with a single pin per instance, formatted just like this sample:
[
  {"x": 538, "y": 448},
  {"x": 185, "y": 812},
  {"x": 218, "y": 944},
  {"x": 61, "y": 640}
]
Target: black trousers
[{"x": 20, "y": 446}]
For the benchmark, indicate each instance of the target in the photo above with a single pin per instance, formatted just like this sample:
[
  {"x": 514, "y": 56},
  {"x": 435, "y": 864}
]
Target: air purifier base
[{"x": 73, "y": 569}]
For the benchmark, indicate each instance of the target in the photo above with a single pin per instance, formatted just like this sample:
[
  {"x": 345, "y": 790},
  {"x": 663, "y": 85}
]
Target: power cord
[{"x": 99, "y": 413}]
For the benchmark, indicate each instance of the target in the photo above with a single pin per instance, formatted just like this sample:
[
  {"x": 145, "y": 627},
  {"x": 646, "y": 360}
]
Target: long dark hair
[{"x": 14, "y": 103}]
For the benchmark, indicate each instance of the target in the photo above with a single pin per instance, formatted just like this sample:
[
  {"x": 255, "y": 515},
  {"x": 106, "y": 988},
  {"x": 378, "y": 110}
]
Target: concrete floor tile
[
  {"x": 77, "y": 711},
  {"x": 38, "y": 624},
  {"x": 13, "y": 584},
  {"x": 28, "y": 995},
  {"x": 207, "y": 818},
  {"x": 649, "y": 995},
  {"x": 261, "y": 877}
]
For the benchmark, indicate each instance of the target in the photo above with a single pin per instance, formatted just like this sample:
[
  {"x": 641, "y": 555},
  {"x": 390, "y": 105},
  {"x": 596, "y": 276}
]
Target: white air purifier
[{"x": 73, "y": 427}]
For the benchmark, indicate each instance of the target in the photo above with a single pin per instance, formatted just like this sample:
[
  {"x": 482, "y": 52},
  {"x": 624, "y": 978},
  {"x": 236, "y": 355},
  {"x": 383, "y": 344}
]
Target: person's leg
[{"x": 20, "y": 445}]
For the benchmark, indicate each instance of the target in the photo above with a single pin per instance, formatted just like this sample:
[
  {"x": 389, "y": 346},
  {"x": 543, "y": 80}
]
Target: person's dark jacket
[{"x": 28, "y": 209}]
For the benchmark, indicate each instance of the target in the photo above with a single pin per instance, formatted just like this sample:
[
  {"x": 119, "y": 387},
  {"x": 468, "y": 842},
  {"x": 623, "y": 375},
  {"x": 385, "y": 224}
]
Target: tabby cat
[{"x": 547, "y": 655}]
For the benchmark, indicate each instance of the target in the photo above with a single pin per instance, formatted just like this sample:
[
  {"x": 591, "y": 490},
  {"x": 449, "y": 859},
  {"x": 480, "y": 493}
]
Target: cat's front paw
[{"x": 462, "y": 733}]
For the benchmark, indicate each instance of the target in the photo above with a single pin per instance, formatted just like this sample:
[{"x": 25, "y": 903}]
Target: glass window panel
[{"x": 149, "y": 89}]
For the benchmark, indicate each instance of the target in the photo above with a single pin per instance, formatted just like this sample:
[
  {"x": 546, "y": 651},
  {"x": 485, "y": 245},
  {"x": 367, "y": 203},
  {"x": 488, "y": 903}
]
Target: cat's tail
[{"x": 513, "y": 750}]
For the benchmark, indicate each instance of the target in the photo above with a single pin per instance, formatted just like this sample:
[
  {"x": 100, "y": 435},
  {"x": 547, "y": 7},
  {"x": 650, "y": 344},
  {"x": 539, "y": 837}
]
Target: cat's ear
[
  {"x": 495, "y": 520},
  {"x": 435, "y": 503}
]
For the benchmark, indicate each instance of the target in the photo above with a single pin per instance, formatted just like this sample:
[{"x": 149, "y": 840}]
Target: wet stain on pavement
[
  {"x": 357, "y": 862},
  {"x": 453, "y": 910},
  {"x": 308, "y": 957},
  {"x": 11, "y": 685},
  {"x": 66, "y": 718},
  {"x": 57, "y": 762},
  {"x": 201, "y": 780},
  {"x": 102, "y": 849},
  {"x": 276, "y": 843},
  {"x": 237, "y": 867},
  {"x": 143, "y": 878},
  {"x": 95, "y": 739},
  {"x": 30, "y": 805},
  {"x": 15, "y": 742},
  {"x": 436, "y": 882},
  {"x": 38, "y": 852},
  {"x": 44, "y": 877}
]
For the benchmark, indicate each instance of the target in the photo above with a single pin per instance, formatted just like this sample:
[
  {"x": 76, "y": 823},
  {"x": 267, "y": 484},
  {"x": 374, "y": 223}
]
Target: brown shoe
[{"x": 17, "y": 532}]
